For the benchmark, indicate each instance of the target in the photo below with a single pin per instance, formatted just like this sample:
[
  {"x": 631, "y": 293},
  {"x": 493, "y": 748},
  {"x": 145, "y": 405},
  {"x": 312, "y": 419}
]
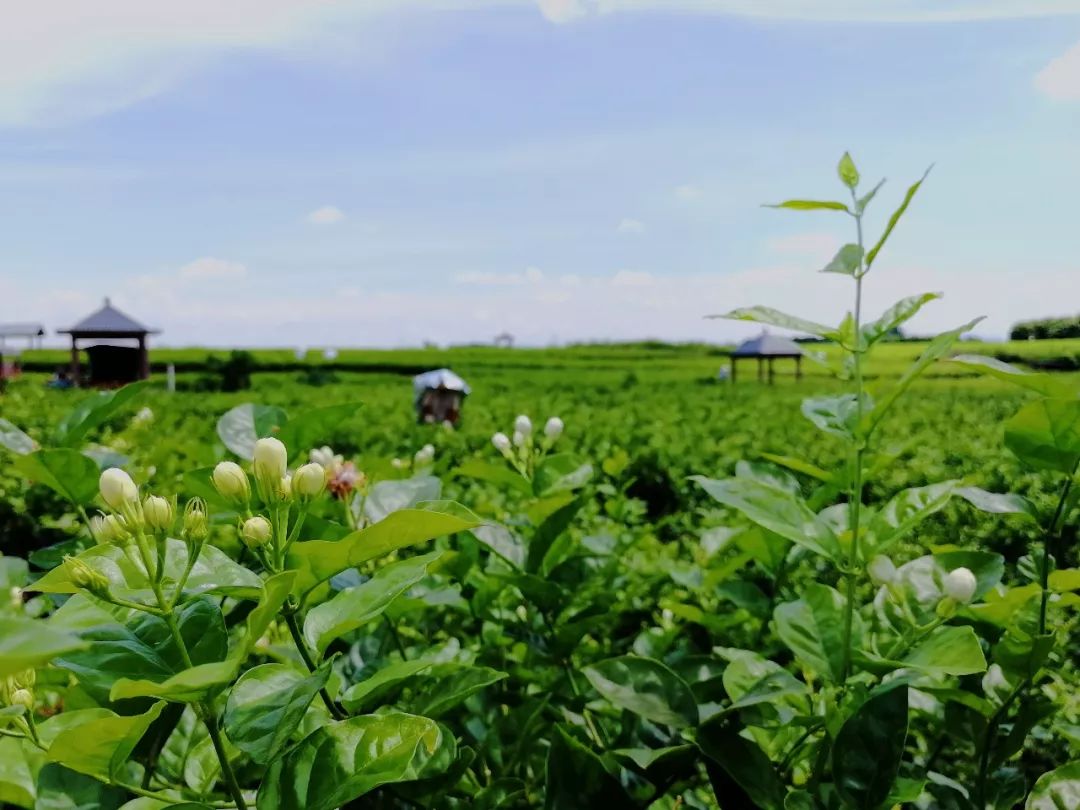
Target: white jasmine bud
[
  {"x": 501, "y": 442},
  {"x": 24, "y": 698},
  {"x": 270, "y": 463},
  {"x": 882, "y": 571},
  {"x": 117, "y": 489},
  {"x": 84, "y": 577},
  {"x": 994, "y": 680},
  {"x": 960, "y": 585},
  {"x": 309, "y": 481},
  {"x": 553, "y": 428},
  {"x": 196, "y": 525},
  {"x": 425, "y": 455},
  {"x": 523, "y": 425},
  {"x": 231, "y": 482},
  {"x": 158, "y": 513},
  {"x": 519, "y": 438},
  {"x": 256, "y": 532}
]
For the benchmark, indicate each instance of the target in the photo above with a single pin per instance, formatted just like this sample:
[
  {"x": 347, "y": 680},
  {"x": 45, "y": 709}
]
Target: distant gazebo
[
  {"x": 766, "y": 349},
  {"x": 111, "y": 362},
  {"x": 32, "y": 333}
]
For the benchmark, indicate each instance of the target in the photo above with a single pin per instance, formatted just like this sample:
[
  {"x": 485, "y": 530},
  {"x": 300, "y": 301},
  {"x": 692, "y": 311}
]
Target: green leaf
[
  {"x": 895, "y": 218},
  {"x": 29, "y": 644},
  {"x": 498, "y": 474},
  {"x": 385, "y": 497},
  {"x": 266, "y": 707},
  {"x": 774, "y": 317},
  {"x": 561, "y": 472},
  {"x": 318, "y": 560},
  {"x": 849, "y": 175},
  {"x": 811, "y": 205},
  {"x": 310, "y": 429},
  {"x": 213, "y": 573},
  {"x": 553, "y": 526},
  {"x": 751, "y": 679},
  {"x": 60, "y": 788},
  {"x": 14, "y": 439},
  {"x": 935, "y": 350},
  {"x": 101, "y": 747},
  {"x": 998, "y": 503},
  {"x": 812, "y": 627},
  {"x": 1046, "y": 434},
  {"x": 865, "y": 200},
  {"x": 17, "y": 783},
  {"x": 144, "y": 648},
  {"x": 777, "y": 509},
  {"x": 356, "y": 606},
  {"x": 94, "y": 410},
  {"x": 578, "y": 780},
  {"x": 342, "y": 761},
  {"x": 904, "y": 511},
  {"x": 869, "y": 747},
  {"x": 448, "y": 685},
  {"x": 948, "y": 651},
  {"x": 245, "y": 424},
  {"x": 1042, "y": 383},
  {"x": 645, "y": 687},
  {"x": 901, "y": 312},
  {"x": 744, "y": 764},
  {"x": 367, "y": 694},
  {"x": 836, "y": 415},
  {"x": 1057, "y": 790},
  {"x": 847, "y": 261},
  {"x": 67, "y": 472}
]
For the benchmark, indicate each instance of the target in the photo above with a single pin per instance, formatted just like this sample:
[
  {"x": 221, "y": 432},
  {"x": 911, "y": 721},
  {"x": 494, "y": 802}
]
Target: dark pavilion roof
[
  {"x": 107, "y": 322},
  {"x": 766, "y": 345}
]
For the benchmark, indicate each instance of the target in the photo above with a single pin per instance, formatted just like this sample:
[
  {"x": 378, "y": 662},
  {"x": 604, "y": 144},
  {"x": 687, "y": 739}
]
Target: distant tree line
[{"x": 1046, "y": 329}]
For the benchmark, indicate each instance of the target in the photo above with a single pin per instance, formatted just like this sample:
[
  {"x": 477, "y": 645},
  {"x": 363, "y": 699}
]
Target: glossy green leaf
[
  {"x": 94, "y": 410},
  {"x": 499, "y": 474},
  {"x": 1042, "y": 383},
  {"x": 214, "y": 573},
  {"x": 546, "y": 534},
  {"x": 773, "y": 317},
  {"x": 836, "y": 415},
  {"x": 895, "y": 218},
  {"x": 367, "y": 694},
  {"x": 812, "y": 627},
  {"x": 449, "y": 685},
  {"x": 1057, "y": 790},
  {"x": 869, "y": 748},
  {"x": 743, "y": 763},
  {"x": 342, "y": 761},
  {"x": 561, "y": 472},
  {"x": 354, "y": 607},
  {"x": 867, "y": 198},
  {"x": 27, "y": 644},
  {"x": 578, "y": 780},
  {"x": 903, "y": 512},
  {"x": 776, "y": 509},
  {"x": 899, "y": 313},
  {"x": 266, "y": 706},
  {"x": 811, "y": 205},
  {"x": 318, "y": 560},
  {"x": 68, "y": 473},
  {"x": 245, "y": 424},
  {"x": 847, "y": 261},
  {"x": 998, "y": 503},
  {"x": 14, "y": 439},
  {"x": 385, "y": 497},
  {"x": 751, "y": 679},
  {"x": 1046, "y": 434},
  {"x": 18, "y": 786},
  {"x": 60, "y": 788},
  {"x": 645, "y": 687},
  {"x": 948, "y": 651},
  {"x": 101, "y": 746}
]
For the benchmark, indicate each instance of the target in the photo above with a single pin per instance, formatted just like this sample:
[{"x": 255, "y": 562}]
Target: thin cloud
[
  {"x": 327, "y": 215},
  {"x": 628, "y": 225}
]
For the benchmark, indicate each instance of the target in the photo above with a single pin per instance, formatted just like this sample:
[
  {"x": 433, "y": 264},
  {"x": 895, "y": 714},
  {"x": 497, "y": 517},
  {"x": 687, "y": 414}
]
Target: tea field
[{"x": 573, "y": 621}]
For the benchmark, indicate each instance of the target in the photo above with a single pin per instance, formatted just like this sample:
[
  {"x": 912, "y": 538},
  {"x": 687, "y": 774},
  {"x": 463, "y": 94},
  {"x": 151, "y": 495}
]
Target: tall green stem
[
  {"x": 309, "y": 662},
  {"x": 1048, "y": 539},
  {"x": 855, "y": 497}
]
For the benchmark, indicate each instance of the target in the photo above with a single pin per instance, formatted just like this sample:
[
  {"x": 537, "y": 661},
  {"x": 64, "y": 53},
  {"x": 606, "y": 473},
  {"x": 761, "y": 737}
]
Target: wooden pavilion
[
  {"x": 766, "y": 349},
  {"x": 111, "y": 362}
]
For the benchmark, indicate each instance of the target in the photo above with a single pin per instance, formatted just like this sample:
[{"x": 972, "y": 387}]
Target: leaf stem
[
  {"x": 305, "y": 656},
  {"x": 1048, "y": 539}
]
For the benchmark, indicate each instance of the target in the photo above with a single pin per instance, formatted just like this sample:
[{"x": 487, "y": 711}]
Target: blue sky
[{"x": 325, "y": 172}]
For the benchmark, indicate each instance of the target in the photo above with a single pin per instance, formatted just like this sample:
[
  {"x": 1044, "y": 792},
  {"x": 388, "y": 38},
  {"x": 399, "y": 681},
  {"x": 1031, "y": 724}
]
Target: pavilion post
[
  {"x": 75, "y": 374},
  {"x": 144, "y": 359},
  {"x": 760, "y": 369},
  {"x": 772, "y": 372}
]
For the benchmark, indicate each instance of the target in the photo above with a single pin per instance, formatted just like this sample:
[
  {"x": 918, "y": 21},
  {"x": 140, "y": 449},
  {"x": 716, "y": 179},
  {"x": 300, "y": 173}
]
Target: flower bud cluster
[{"x": 522, "y": 447}]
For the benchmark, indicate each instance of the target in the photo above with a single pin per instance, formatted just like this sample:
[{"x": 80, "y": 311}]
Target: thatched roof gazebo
[
  {"x": 766, "y": 347},
  {"x": 111, "y": 362}
]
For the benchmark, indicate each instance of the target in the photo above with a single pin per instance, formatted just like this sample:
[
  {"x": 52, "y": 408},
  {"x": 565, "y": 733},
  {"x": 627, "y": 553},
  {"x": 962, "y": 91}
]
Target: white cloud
[
  {"x": 531, "y": 275},
  {"x": 688, "y": 191},
  {"x": 631, "y": 278},
  {"x": 327, "y": 215},
  {"x": 210, "y": 268},
  {"x": 1060, "y": 79},
  {"x": 628, "y": 225},
  {"x": 562, "y": 11}
]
